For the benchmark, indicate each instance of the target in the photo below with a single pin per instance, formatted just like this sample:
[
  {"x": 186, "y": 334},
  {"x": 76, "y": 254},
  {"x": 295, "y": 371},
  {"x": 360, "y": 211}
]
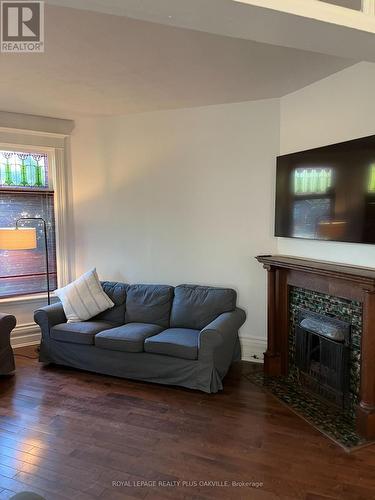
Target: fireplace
[
  {"x": 314, "y": 348},
  {"x": 322, "y": 355}
]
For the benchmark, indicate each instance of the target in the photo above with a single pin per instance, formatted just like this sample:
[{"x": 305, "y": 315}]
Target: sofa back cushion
[
  {"x": 117, "y": 293},
  {"x": 149, "y": 304},
  {"x": 196, "y": 306}
]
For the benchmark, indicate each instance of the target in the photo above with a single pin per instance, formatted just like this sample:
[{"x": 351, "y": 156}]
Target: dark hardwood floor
[{"x": 76, "y": 435}]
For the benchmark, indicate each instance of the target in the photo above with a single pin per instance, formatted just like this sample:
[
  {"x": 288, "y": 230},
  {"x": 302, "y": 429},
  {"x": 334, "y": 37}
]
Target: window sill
[{"x": 21, "y": 299}]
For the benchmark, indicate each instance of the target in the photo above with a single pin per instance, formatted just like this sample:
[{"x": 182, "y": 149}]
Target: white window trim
[{"x": 57, "y": 147}]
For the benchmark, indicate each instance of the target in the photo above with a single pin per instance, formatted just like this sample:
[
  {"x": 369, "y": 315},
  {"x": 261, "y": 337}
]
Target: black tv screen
[{"x": 328, "y": 193}]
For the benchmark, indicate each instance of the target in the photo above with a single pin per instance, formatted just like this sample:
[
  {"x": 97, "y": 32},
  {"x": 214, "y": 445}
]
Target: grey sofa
[
  {"x": 186, "y": 336},
  {"x": 7, "y": 323}
]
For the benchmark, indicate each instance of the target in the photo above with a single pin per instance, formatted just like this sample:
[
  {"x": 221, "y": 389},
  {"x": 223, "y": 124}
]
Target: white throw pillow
[{"x": 84, "y": 298}]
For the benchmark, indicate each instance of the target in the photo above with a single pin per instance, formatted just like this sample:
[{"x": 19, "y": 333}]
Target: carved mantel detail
[{"x": 339, "y": 280}]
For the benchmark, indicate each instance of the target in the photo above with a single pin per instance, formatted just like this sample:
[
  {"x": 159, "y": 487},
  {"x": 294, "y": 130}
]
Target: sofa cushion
[
  {"x": 84, "y": 298},
  {"x": 79, "y": 333},
  {"x": 177, "y": 342},
  {"x": 149, "y": 304},
  {"x": 196, "y": 306},
  {"x": 117, "y": 293},
  {"x": 128, "y": 338}
]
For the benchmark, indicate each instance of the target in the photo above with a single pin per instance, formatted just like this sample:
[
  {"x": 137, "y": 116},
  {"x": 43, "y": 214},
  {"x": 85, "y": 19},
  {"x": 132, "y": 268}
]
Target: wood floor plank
[
  {"x": 66, "y": 433},
  {"x": 6, "y": 494},
  {"x": 14, "y": 484}
]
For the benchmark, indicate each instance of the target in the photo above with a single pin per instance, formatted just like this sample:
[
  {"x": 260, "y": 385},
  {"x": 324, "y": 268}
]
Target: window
[{"x": 26, "y": 191}]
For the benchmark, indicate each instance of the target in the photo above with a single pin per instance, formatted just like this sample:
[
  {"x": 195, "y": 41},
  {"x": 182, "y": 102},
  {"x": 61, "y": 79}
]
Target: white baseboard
[
  {"x": 253, "y": 349},
  {"x": 25, "y": 335}
]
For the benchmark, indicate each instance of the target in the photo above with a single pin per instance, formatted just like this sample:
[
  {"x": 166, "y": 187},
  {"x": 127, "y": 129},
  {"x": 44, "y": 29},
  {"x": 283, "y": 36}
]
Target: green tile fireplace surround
[
  {"x": 349, "y": 311},
  {"x": 328, "y": 290}
]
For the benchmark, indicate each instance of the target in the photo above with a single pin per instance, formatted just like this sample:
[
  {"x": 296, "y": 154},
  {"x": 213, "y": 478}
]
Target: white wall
[
  {"x": 180, "y": 196},
  {"x": 187, "y": 195},
  {"x": 338, "y": 108}
]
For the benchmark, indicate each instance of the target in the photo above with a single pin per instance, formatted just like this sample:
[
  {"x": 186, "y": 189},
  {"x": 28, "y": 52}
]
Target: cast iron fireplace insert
[{"x": 322, "y": 356}]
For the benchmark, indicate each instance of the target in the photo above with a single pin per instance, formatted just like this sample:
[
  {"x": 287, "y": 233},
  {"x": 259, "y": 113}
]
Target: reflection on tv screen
[
  {"x": 328, "y": 193},
  {"x": 307, "y": 214}
]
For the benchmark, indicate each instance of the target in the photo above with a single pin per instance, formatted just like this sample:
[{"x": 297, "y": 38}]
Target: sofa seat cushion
[
  {"x": 128, "y": 338},
  {"x": 79, "y": 333},
  {"x": 177, "y": 342}
]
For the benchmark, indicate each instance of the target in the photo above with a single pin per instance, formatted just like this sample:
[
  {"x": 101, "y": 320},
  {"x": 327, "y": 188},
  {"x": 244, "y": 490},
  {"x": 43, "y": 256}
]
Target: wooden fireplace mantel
[{"x": 340, "y": 280}]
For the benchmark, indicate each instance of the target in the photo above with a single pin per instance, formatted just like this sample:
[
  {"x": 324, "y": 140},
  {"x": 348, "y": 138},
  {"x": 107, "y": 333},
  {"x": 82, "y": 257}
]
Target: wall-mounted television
[{"x": 328, "y": 193}]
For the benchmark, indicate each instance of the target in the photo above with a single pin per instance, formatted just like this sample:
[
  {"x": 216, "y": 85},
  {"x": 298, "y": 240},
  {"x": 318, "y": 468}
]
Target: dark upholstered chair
[
  {"x": 27, "y": 495},
  {"x": 7, "y": 323}
]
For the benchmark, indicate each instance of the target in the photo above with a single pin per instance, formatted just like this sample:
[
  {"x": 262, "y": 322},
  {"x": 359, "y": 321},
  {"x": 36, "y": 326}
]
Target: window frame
[{"x": 56, "y": 147}]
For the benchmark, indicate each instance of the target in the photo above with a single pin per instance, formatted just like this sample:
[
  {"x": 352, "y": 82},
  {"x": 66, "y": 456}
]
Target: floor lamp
[{"x": 21, "y": 238}]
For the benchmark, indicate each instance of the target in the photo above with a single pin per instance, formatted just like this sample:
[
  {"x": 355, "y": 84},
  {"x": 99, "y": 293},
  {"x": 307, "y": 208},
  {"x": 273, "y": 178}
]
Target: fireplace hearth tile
[{"x": 333, "y": 422}]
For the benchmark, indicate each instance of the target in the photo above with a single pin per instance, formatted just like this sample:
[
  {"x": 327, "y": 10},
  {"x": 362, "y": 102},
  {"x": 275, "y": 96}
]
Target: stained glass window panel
[{"x": 24, "y": 170}]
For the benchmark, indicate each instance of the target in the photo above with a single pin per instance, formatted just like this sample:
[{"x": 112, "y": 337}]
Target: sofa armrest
[
  {"x": 218, "y": 340},
  {"x": 49, "y": 316},
  {"x": 7, "y": 323}
]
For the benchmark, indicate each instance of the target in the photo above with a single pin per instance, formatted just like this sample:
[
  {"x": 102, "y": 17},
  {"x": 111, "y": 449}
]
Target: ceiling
[
  {"x": 349, "y": 4},
  {"x": 100, "y": 64},
  {"x": 311, "y": 25}
]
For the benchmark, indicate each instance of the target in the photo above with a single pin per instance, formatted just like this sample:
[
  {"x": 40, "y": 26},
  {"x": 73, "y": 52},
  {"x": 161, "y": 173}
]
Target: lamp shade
[
  {"x": 332, "y": 230},
  {"x": 12, "y": 238}
]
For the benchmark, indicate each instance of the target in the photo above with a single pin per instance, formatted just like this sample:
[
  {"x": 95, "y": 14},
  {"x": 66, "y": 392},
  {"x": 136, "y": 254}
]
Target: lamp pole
[{"x": 45, "y": 248}]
